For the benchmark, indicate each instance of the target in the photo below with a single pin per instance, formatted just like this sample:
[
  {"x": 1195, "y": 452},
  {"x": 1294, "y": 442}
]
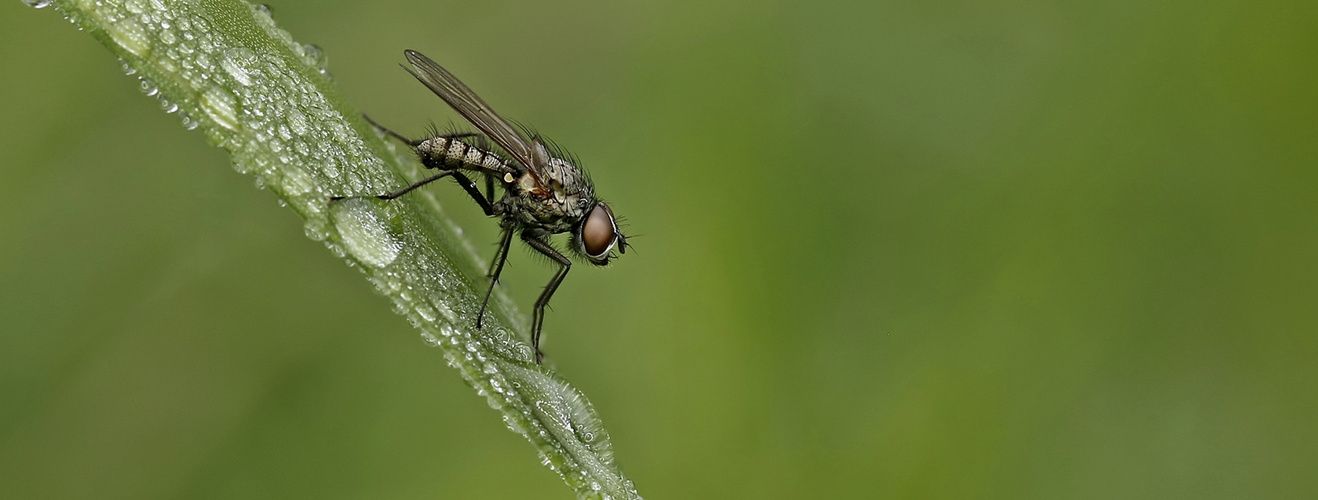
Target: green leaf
[{"x": 224, "y": 67}]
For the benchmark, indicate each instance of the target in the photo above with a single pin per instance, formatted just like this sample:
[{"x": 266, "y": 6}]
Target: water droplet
[
  {"x": 298, "y": 122},
  {"x": 130, "y": 35},
  {"x": 39, "y": 4},
  {"x": 365, "y": 235},
  {"x": 221, "y": 107},
  {"x": 316, "y": 57},
  {"x": 425, "y": 312},
  {"x": 297, "y": 182},
  {"x": 235, "y": 63},
  {"x": 149, "y": 87},
  {"x": 316, "y": 229},
  {"x": 430, "y": 339}
]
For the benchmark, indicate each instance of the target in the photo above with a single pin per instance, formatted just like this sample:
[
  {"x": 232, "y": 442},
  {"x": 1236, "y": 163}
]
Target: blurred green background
[{"x": 888, "y": 250}]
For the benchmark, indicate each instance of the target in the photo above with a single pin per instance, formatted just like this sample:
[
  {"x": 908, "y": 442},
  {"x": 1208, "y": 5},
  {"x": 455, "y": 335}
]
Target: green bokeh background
[{"x": 888, "y": 250}]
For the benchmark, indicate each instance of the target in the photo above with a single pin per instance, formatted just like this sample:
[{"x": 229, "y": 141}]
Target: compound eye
[{"x": 598, "y": 233}]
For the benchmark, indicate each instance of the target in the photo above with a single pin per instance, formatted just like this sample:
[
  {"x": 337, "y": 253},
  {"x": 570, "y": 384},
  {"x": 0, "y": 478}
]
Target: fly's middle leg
[{"x": 496, "y": 267}]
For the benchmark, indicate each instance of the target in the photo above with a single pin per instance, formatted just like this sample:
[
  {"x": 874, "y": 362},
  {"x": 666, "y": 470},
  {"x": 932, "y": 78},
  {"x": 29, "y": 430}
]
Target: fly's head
[{"x": 597, "y": 236}]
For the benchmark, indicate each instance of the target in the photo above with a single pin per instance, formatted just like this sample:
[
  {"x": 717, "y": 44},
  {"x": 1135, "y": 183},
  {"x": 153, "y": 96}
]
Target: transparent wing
[{"x": 473, "y": 108}]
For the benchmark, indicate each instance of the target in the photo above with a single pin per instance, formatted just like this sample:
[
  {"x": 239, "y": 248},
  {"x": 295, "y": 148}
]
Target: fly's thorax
[
  {"x": 555, "y": 201},
  {"x": 569, "y": 190}
]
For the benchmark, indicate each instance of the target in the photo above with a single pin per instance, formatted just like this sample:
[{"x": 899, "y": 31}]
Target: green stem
[{"x": 224, "y": 66}]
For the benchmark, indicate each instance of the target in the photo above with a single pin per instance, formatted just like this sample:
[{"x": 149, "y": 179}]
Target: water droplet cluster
[{"x": 262, "y": 96}]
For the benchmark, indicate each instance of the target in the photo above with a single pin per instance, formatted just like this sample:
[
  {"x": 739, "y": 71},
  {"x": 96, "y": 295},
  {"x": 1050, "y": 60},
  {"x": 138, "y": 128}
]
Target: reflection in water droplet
[{"x": 40, "y": 4}]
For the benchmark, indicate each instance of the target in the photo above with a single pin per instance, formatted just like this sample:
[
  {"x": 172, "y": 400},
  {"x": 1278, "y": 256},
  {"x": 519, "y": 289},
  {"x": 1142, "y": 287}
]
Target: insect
[{"x": 544, "y": 192}]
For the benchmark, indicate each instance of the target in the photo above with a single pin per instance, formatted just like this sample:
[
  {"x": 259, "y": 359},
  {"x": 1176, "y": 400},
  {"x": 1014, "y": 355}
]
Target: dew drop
[
  {"x": 316, "y": 57},
  {"x": 130, "y": 35},
  {"x": 365, "y": 235},
  {"x": 297, "y": 122},
  {"x": 315, "y": 230},
  {"x": 221, "y": 107},
  {"x": 425, "y": 312},
  {"x": 235, "y": 63},
  {"x": 149, "y": 87},
  {"x": 39, "y": 4},
  {"x": 297, "y": 182}
]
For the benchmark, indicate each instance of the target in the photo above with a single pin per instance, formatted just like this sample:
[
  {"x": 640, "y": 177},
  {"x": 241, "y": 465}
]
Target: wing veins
[{"x": 472, "y": 107}]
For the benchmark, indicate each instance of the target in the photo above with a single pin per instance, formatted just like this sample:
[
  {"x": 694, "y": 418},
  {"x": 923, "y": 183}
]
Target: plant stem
[{"x": 224, "y": 67}]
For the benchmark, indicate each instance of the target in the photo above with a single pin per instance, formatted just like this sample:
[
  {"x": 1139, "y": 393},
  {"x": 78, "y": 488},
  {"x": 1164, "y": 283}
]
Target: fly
[{"x": 544, "y": 192}]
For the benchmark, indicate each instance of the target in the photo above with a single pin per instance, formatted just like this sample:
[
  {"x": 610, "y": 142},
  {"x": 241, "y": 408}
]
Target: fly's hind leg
[
  {"x": 405, "y": 190},
  {"x": 463, "y": 180},
  {"x": 390, "y": 133}
]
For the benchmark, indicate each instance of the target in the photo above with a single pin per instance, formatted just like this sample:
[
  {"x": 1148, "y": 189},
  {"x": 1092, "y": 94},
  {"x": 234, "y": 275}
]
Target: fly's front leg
[
  {"x": 496, "y": 267},
  {"x": 538, "y": 316}
]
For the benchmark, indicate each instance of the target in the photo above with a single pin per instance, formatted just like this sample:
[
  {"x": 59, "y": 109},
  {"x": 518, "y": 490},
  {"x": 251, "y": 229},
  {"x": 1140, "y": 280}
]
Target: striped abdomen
[{"x": 447, "y": 152}]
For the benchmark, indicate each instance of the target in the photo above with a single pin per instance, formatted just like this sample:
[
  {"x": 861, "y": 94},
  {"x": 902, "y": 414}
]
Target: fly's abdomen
[{"x": 447, "y": 153}]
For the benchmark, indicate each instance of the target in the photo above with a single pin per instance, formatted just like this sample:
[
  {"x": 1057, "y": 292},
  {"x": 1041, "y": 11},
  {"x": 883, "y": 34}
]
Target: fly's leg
[
  {"x": 466, "y": 183},
  {"x": 391, "y": 133},
  {"x": 471, "y": 189},
  {"x": 489, "y": 186},
  {"x": 410, "y": 187},
  {"x": 496, "y": 267},
  {"x": 538, "y": 316}
]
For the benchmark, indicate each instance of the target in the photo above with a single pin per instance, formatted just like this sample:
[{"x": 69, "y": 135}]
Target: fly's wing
[{"x": 474, "y": 109}]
